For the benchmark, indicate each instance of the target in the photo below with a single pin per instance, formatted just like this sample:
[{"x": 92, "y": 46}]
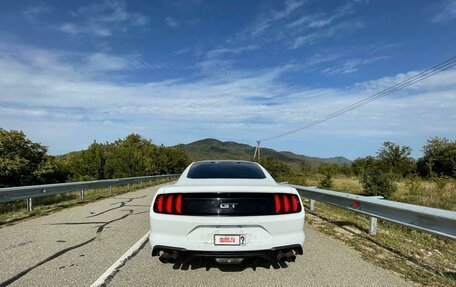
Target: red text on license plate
[{"x": 226, "y": 239}]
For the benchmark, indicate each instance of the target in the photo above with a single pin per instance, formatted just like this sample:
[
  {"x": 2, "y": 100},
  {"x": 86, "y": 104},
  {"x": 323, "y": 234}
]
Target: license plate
[{"x": 229, "y": 239}]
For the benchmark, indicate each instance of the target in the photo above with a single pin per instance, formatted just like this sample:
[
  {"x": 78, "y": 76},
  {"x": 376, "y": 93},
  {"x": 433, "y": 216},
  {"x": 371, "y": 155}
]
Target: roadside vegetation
[
  {"x": 23, "y": 162},
  {"x": 395, "y": 175}
]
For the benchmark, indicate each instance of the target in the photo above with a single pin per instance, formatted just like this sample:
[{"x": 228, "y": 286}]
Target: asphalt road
[{"x": 75, "y": 246}]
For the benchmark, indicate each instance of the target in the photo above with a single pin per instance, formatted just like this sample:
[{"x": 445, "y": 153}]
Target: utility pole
[{"x": 257, "y": 151}]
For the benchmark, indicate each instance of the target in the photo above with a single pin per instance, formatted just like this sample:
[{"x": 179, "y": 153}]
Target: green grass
[
  {"x": 11, "y": 212},
  {"x": 420, "y": 257}
]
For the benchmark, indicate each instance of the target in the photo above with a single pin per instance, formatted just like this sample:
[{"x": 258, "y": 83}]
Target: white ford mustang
[{"x": 227, "y": 210}]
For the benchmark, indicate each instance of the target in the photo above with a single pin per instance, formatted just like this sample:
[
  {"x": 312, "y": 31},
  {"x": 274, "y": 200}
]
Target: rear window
[{"x": 242, "y": 170}]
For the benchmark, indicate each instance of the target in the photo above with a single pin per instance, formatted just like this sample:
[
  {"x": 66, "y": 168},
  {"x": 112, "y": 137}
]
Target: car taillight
[
  {"x": 159, "y": 204},
  {"x": 286, "y": 203},
  {"x": 179, "y": 204},
  {"x": 168, "y": 203},
  {"x": 277, "y": 203}
]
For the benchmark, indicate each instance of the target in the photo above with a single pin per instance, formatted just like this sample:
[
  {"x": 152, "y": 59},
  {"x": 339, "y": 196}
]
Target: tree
[
  {"x": 361, "y": 164},
  {"x": 439, "y": 158},
  {"x": 172, "y": 160},
  {"x": 87, "y": 164},
  {"x": 275, "y": 167},
  {"x": 305, "y": 166},
  {"x": 396, "y": 159},
  {"x": 128, "y": 157},
  {"x": 132, "y": 156},
  {"x": 377, "y": 182},
  {"x": 23, "y": 162},
  {"x": 49, "y": 171}
]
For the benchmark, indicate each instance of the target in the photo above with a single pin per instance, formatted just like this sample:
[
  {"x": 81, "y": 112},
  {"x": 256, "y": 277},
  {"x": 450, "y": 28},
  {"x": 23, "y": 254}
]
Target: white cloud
[
  {"x": 447, "y": 13},
  {"x": 322, "y": 20},
  {"x": 184, "y": 51},
  {"x": 223, "y": 51},
  {"x": 47, "y": 95},
  {"x": 351, "y": 65},
  {"x": 171, "y": 22},
  {"x": 103, "y": 62},
  {"x": 269, "y": 19},
  {"x": 343, "y": 11},
  {"x": 70, "y": 28},
  {"x": 336, "y": 30},
  {"x": 216, "y": 62},
  {"x": 103, "y": 19},
  {"x": 294, "y": 27},
  {"x": 303, "y": 20},
  {"x": 33, "y": 11}
]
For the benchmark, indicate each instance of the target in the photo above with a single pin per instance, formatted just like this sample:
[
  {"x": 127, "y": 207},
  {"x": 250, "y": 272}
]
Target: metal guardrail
[
  {"x": 31, "y": 191},
  {"x": 432, "y": 220}
]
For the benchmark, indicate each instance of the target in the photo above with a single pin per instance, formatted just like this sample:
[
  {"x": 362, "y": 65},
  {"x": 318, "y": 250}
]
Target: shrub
[
  {"x": 326, "y": 182},
  {"x": 376, "y": 182}
]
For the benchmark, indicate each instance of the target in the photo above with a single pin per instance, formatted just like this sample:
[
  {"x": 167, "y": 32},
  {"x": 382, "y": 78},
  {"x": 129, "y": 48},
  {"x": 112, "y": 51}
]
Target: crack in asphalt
[
  {"x": 100, "y": 228},
  {"x": 122, "y": 204},
  {"x": 19, "y": 244},
  {"x": 53, "y": 256},
  {"x": 65, "y": 250}
]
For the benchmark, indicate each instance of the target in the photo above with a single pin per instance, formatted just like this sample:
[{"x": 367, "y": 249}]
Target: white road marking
[{"x": 103, "y": 279}]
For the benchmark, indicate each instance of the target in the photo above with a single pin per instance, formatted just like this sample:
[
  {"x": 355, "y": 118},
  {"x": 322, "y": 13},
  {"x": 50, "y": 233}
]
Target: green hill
[{"x": 215, "y": 149}]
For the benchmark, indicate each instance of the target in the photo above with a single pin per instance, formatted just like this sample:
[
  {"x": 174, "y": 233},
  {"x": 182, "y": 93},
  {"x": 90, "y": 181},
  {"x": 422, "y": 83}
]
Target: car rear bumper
[
  {"x": 228, "y": 254},
  {"x": 195, "y": 234}
]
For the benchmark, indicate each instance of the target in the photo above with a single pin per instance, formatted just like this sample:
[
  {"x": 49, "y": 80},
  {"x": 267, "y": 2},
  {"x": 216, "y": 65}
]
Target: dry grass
[
  {"x": 418, "y": 256},
  {"x": 438, "y": 193}
]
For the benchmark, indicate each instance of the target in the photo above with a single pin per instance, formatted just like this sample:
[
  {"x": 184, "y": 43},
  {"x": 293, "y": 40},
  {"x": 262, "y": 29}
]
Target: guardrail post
[
  {"x": 128, "y": 186},
  {"x": 312, "y": 204},
  {"x": 29, "y": 204},
  {"x": 141, "y": 183},
  {"x": 82, "y": 194},
  {"x": 372, "y": 225},
  {"x": 110, "y": 190}
]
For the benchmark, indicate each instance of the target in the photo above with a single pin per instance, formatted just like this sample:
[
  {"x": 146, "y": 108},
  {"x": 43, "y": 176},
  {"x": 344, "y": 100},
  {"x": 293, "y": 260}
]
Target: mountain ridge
[{"x": 211, "y": 148}]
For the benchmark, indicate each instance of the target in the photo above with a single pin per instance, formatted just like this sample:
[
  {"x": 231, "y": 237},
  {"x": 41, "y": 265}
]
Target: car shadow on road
[{"x": 210, "y": 263}]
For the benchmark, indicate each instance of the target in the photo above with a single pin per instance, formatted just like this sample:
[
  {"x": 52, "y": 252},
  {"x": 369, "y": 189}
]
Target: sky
[{"x": 72, "y": 72}]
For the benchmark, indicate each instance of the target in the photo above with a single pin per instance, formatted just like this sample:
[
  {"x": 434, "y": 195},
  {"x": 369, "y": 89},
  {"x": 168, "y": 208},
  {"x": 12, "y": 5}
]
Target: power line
[{"x": 445, "y": 65}]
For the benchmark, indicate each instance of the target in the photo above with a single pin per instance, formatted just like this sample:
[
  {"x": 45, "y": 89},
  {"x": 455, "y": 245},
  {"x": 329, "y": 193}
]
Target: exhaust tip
[
  {"x": 281, "y": 257},
  {"x": 290, "y": 256},
  {"x": 168, "y": 257},
  {"x": 286, "y": 256}
]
